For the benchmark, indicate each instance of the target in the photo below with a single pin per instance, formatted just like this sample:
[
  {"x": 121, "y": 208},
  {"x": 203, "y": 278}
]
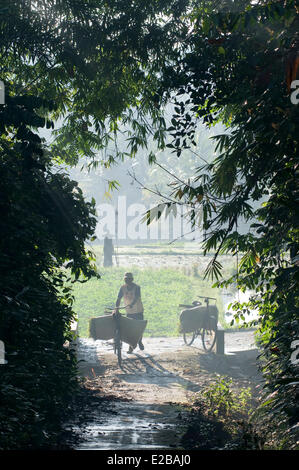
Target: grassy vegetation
[{"x": 162, "y": 291}]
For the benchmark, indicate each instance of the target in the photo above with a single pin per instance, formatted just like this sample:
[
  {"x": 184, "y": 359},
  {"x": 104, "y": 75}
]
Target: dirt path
[{"x": 145, "y": 401}]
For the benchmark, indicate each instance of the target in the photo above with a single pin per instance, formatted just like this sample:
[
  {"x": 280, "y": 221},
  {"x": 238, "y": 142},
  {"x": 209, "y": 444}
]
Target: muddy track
[{"x": 144, "y": 405}]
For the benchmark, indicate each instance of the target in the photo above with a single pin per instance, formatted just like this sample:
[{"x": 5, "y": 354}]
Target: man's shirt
[{"x": 131, "y": 296}]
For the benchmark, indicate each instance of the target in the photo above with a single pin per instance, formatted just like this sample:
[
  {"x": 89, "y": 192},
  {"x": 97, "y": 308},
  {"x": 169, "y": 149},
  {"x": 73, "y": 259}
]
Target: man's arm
[{"x": 119, "y": 297}]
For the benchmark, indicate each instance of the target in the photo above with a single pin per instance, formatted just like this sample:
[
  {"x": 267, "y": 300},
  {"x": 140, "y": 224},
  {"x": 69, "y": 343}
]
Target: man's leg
[
  {"x": 139, "y": 316},
  {"x": 130, "y": 350}
]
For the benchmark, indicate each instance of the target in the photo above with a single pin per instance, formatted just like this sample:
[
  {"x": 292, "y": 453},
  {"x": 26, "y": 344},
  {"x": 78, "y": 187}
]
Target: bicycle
[
  {"x": 117, "y": 342},
  {"x": 208, "y": 331},
  {"x": 118, "y": 328}
]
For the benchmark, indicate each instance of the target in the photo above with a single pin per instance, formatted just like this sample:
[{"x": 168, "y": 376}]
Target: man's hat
[{"x": 128, "y": 276}]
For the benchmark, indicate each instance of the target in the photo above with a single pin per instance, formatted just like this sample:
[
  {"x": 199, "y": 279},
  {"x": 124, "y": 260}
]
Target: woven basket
[
  {"x": 102, "y": 327},
  {"x": 132, "y": 330},
  {"x": 195, "y": 318}
]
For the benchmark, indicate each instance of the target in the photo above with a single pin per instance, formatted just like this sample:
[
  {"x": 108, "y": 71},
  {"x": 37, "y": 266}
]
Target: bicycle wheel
[
  {"x": 208, "y": 337},
  {"x": 189, "y": 337}
]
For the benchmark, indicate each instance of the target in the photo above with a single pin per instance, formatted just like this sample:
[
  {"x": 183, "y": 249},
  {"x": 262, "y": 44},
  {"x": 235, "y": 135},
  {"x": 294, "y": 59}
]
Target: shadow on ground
[{"x": 146, "y": 403}]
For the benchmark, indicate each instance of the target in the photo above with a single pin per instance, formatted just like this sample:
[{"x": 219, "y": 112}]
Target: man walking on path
[{"x": 131, "y": 294}]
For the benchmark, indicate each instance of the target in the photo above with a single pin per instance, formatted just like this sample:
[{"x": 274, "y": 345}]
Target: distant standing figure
[
  {"x": 131, "y": 294},
  {"x": 108, "y": 251}
]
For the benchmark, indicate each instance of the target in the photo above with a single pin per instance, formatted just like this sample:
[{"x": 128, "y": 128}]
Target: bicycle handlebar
[
  {"x": 205, "y": 297},
  {"x": 115, "y": 308}
]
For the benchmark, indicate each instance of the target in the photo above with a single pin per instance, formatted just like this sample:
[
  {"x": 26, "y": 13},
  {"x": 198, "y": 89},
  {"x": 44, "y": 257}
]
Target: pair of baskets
[{"x": 103, "y": 328}]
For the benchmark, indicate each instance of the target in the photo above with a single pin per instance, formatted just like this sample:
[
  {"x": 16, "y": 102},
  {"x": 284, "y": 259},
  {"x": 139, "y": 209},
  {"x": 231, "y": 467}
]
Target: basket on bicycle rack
[
  {"x": 103, "y": 328},
  {"x": 196, "y": 318}
]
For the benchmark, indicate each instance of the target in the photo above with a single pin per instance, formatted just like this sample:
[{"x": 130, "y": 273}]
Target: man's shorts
[{"x": 135, "y": 316}]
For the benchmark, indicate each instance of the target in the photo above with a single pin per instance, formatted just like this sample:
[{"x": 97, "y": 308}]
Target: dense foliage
[
  {"x": 44, "y": 222},
  {"x": 239, "y": 66},
  {"x": 99, "y": 61},
  {"x": 84, "y": 64},
  {"x": 102, "y": 62}
]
